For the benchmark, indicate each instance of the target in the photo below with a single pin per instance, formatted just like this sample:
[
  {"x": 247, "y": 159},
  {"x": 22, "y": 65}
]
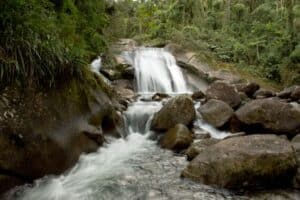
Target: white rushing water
[
  {"x": 92, "y": 174},
  {"x": 96, "y": 65},
  {"x": 156, "y": 71},
  {"x": 134, "y": 168}
]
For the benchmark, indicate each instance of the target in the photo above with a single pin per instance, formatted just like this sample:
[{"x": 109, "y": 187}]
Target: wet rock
[
  {"x": 110, "y": 74},
  {"x": 159, "y": 96},
  {"x": 224, "y": 92},
  {"x": 262, "y": 93},
  {"x": 177, "y": 138},
  {"x": 178, "y": 110},
  {"x": 123, "y": 83},
  {"x": 296, "y": 94},
  {"x": 270, "y": 114},
  {"x": 198, "y": 95},
  {"x": 118, "y": 72},
  {"x": 249, "y": 89},
  {"x": 94, "y": 133},
  {"x": 248, "y": 161},
  {"x": 7, "y": 182},
  {"x": 128, "y": 73},
  {"x": 197, "y": 147},
  {"x": 296, "y": 144},
  {"x": 216, "y": 112},
  {"x": 124, "y": 93}
]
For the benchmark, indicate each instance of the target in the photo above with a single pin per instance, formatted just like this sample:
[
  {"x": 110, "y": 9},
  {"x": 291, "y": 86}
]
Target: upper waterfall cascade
[{"x": 156, "y": 71}]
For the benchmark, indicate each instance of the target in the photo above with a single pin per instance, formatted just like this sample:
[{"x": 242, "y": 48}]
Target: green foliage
[
  {"x": 264, "y": 34},
  {"x": 295, "y": 55},
  {"x": 42, "y": 41}
]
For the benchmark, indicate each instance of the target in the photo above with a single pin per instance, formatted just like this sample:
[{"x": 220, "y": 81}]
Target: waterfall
[
  {"x": 156, "y": 71},
  {"x": 138, "y": 116},
  {"x": 133, "y": 167},
  {"x": 96, "y": 65}
]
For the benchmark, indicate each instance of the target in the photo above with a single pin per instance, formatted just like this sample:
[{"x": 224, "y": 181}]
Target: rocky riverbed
[{"x": 189, "y": 133}]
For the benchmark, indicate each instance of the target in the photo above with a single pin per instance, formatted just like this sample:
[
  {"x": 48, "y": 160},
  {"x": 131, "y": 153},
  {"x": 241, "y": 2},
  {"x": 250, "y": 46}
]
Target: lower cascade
[{"x": 134, "y": 167}]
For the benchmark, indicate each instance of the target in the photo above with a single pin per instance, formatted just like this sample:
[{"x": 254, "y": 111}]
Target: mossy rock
[
  {"x": 177, "y": 138},
  {"x": 50, "y": 128},
  {"x": 245, "y": 162}
]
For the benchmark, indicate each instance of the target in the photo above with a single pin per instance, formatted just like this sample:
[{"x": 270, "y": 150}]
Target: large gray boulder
[
  {"x": 216, "y": 112},
  {"x": 247, "y": 161},
  {"x": 178, "y": 110},
  {"x": 271, "y": 114},
  {"x": 224, "y": 92},
  {"x": 197, "y": 147},
  {"x": 177, "y": 138}
]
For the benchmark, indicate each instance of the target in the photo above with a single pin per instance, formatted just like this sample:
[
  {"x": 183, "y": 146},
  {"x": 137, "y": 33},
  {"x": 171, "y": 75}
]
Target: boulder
[
  {"x": 245, "y": 162},
  {"x": 198, "y": 95},
  {"x": 296, "y": 94},
  {"x": 224, "y": 92},
  {"x": 287, "y": 92},
  {"x": 178, "y": 110},
  {"x": 244, "y": 97},
  {"x": 216, "y": 112},
  {"x": 296, "y": 144},
  {"x": 124, "y": 93},
  {"x": 177, "y": 138},
  {"x": 249, "y": 89},
  {"x": 120, "y": 71},
  {"x": 110, "y": 74},
  {"x": 197, "y": 147},
  {"x": 262, "y": 93},
  {"x": 123, "y": 83},
  {"x": 270, "y": 114},
  {"x": 159, "y": 96},
  {"x": 128, "y": 73}
]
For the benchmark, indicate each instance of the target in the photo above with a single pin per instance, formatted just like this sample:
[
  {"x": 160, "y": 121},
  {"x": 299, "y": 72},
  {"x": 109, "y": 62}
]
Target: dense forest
[
  {"x": 44, "y": 40},
  {"x": 259, "y": 36}
]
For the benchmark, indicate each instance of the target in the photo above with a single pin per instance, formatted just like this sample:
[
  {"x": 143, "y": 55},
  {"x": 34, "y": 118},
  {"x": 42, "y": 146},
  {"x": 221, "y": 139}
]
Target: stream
[{"x": 135, "y": 167}]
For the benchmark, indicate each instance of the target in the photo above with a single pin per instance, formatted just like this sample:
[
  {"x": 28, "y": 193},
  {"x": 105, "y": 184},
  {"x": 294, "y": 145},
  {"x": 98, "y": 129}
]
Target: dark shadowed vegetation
[{"x": 46, "y": 40}]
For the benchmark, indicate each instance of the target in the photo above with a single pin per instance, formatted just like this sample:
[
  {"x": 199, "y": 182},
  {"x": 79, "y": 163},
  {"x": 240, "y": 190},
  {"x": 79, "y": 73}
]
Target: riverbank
[{"x": 45, "y": 130}]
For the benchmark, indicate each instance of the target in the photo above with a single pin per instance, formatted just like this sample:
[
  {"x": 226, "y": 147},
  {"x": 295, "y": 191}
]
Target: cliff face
[{"x": 45, "y": 131}]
